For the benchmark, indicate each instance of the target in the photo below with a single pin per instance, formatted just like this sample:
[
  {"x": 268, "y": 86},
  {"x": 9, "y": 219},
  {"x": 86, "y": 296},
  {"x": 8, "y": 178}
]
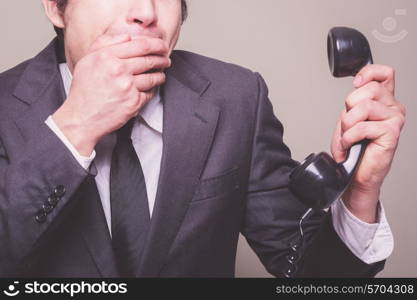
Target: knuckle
[
  {"x": 350, "y": 100},
  {"x": 374, "y": 88},
  {"x": 349, "y": 103},
  {"x": 403, "y": 109},
  {"x": 395, "y": 130},
  {"x": 103, "y": 55},
  {"x": 151, "y": 80},
  {"x": 133, "y": 104},
  {"x": 403, "y": 121},
  {"x": 161, "y": 77},
  {"x": 366, "y": 71},
  {"x": 137, "y": 99},
  {"x": 145, "y": 45},
  {"x": 400, "y": 120},
  {"x": 130, "y": 103},
  {"x": 368, "y": 105},
  {"x": 124, "y": 84},
  {"x": 362, "y": 128},
  {"x": 390, "y": 72},
  {"x": 149, "y": 62},
  {"x": 346, "y": 139},
  {"x": 157, "y": 78},
  {"x": 398, "y": 109},
  {"x": 391, "y": 127},
  {"x": 149, "y": 96},
  {"x": 117, "y": 68},
  {"x": 344, "y": 123},
  {"x": 142, "y": 99}
]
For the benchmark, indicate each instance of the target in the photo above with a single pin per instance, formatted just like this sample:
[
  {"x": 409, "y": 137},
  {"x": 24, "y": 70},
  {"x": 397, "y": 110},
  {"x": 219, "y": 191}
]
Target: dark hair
[{"x": 61, "y": 4}]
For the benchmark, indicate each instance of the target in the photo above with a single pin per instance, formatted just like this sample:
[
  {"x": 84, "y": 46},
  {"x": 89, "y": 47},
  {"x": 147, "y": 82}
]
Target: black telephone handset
[{"x": 319, "y": 180}]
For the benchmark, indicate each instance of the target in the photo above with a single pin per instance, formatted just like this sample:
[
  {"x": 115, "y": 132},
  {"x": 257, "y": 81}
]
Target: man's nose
[{"x": 142, "y": 12}]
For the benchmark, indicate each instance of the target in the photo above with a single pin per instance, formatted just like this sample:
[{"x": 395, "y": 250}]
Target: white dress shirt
[{"x": 369, "y": 242}]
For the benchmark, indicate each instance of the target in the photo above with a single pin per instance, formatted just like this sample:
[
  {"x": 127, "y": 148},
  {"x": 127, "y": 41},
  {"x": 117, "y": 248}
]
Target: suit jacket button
[
  {"x": 52, "y": 200},
  {"x": 292, "y": 258},
  {"x": 47, "y": 208},
  {"x": 41, "y": 217},
  {"x": 295, "y": 247},
  {"x": 59, "y": 191},
  {"x": 290, "y": 272}
]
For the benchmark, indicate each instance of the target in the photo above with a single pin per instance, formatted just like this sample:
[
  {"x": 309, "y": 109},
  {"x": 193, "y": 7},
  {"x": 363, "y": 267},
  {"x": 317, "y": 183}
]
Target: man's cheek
[{"x": 90, "y": 41}]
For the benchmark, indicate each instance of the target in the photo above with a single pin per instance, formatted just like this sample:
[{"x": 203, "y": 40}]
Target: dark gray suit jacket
[{"x": 224, "y": 170}]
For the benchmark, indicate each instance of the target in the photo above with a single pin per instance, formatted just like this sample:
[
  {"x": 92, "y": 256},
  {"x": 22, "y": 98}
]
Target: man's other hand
[{"x": 372, "y": 113}]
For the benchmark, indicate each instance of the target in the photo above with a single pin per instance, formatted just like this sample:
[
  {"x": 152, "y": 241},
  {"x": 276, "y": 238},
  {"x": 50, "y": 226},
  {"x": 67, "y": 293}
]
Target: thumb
[{"x": 338, "y": 152}]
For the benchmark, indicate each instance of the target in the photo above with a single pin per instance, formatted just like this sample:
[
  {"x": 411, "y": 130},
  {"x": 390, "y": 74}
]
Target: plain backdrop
[{"x": 285, "y": 40}]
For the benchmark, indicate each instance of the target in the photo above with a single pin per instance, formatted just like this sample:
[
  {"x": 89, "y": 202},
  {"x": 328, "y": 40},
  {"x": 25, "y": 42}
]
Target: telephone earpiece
[{"x": 319, "y": 180}]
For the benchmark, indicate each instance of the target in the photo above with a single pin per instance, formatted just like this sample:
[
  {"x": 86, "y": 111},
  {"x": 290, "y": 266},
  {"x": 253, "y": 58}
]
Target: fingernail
[{"x": 358, "y": 80}]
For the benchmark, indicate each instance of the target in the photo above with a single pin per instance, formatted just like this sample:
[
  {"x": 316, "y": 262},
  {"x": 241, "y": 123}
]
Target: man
[{"x": 122, "y": 157}]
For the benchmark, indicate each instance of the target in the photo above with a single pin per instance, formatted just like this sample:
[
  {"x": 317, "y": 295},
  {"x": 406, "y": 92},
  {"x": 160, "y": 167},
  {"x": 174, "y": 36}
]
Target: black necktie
[{"x": 130, "y": 217}]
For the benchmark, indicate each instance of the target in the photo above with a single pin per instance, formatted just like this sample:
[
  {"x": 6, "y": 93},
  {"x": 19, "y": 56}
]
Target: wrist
[
  {"x": 75, "y": 131},
  {"x": 362, "y": 203}
]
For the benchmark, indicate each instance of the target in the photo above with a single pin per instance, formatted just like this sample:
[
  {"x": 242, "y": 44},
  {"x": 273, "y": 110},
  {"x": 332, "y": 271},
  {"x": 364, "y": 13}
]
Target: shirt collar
[{"x": 151, "y": 113}]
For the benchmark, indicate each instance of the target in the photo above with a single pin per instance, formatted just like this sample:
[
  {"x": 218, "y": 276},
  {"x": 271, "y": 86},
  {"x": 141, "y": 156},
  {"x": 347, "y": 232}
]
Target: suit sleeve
[
  {"x": 273, "y": 212},
  {"x": 36, "y": 189}
]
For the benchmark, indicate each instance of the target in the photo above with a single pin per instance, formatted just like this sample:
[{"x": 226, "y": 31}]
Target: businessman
[{"x": 122, "y": 157}]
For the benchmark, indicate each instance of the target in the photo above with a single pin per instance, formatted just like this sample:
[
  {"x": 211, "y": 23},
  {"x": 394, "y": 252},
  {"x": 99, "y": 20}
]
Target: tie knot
[{"x": 125, "y": 132}]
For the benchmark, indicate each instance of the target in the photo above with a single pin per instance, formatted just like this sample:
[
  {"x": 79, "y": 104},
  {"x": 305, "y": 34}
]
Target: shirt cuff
[
  {"x": 84, "y": 161},
  {"x": 369, "y": 242}
]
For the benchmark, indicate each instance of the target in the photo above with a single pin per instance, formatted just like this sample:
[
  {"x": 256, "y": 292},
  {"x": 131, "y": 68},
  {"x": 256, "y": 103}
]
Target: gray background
[{"x": 285, "y": 41}]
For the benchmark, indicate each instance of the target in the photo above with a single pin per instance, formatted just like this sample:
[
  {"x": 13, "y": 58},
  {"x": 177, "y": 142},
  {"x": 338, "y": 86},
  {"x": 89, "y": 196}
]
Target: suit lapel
[
  {"x": 41, "y": 80},
  {"x": 41, "y": 87},
  {"x": 189, "y": 128}
]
